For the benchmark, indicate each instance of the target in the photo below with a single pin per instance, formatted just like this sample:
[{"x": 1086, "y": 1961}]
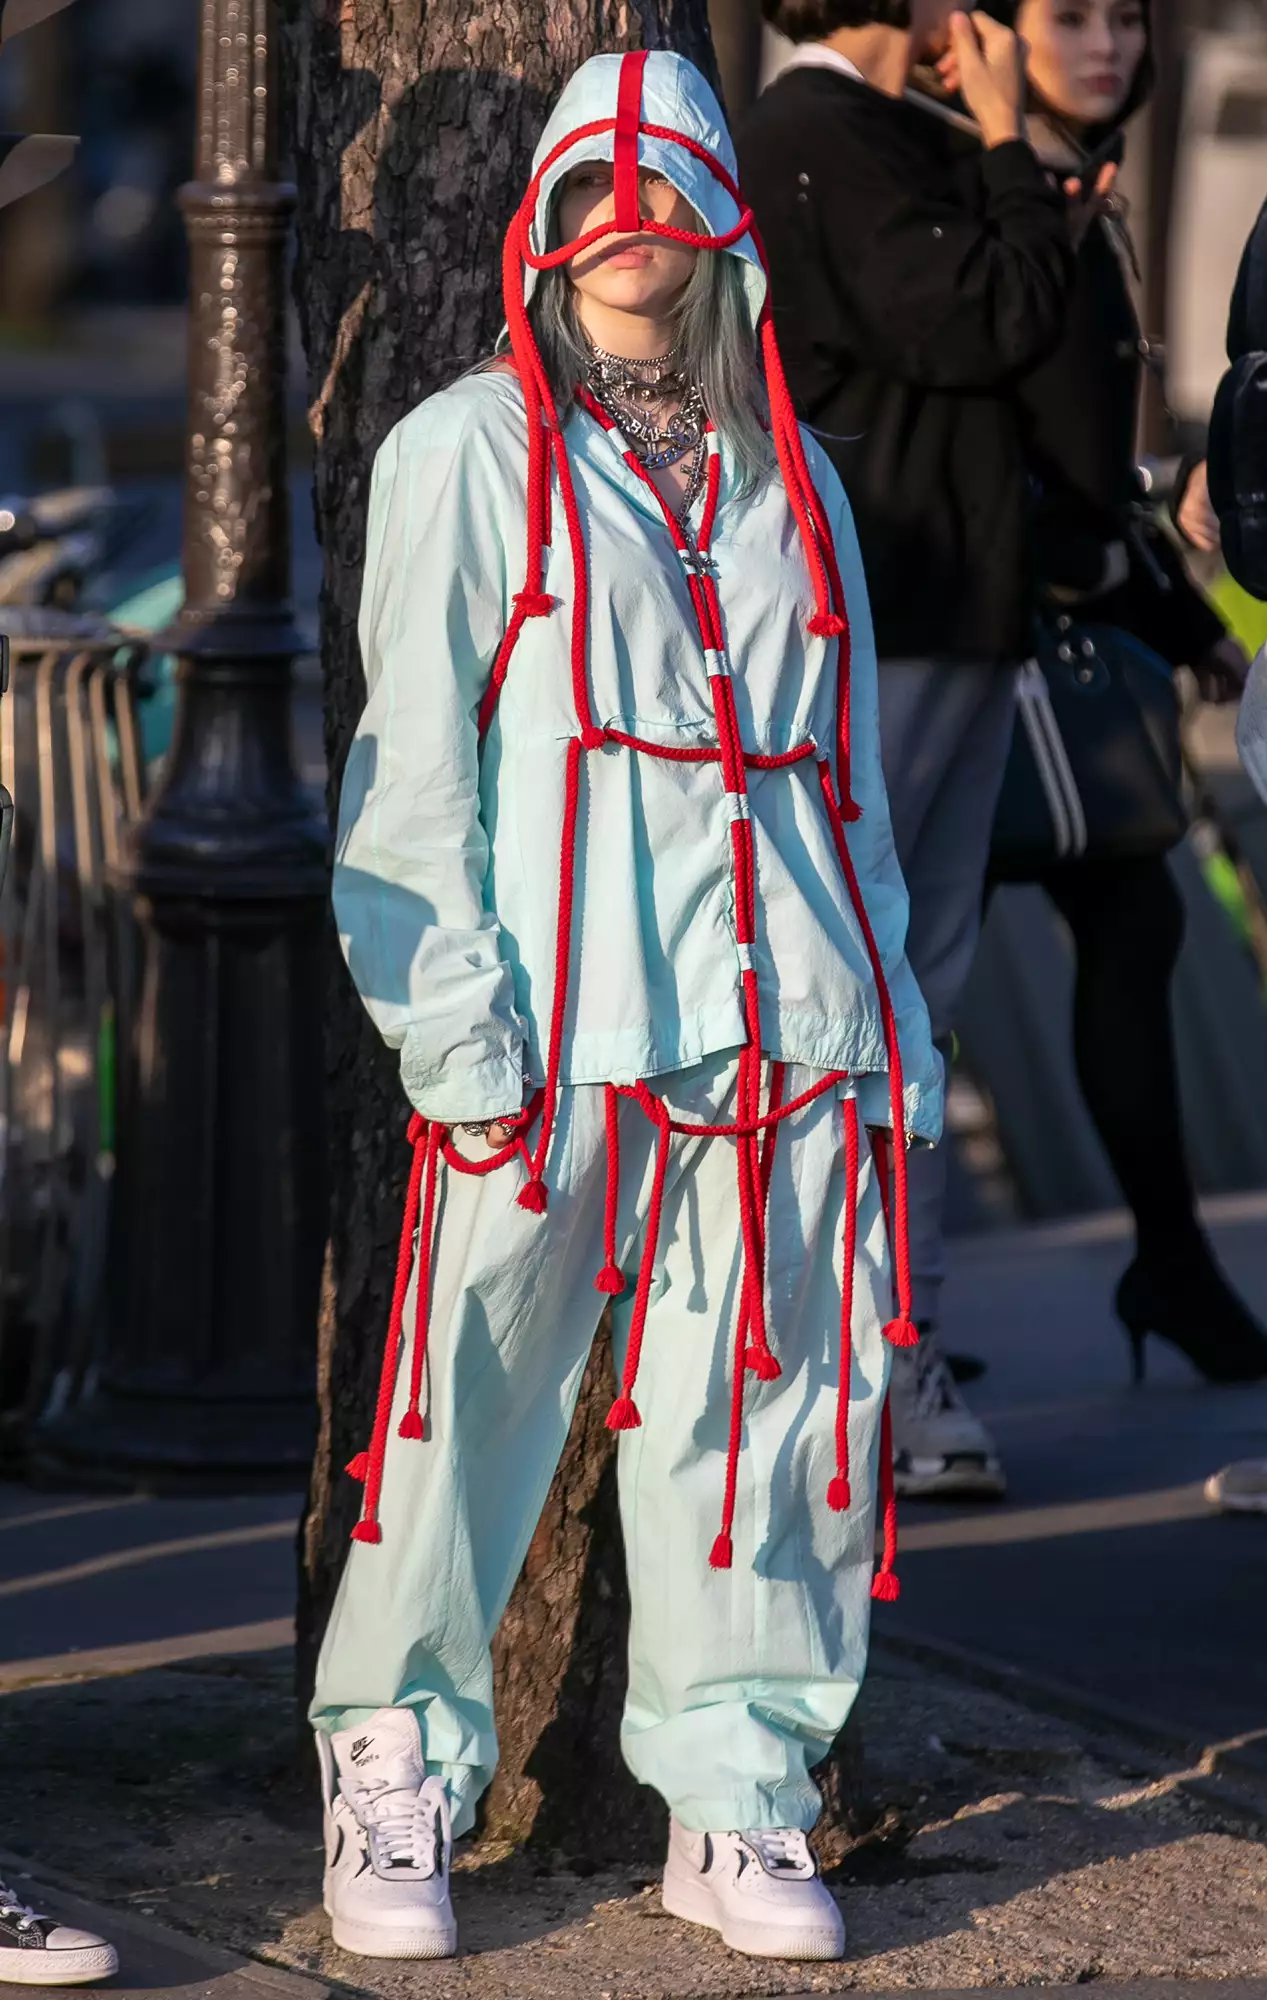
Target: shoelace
[
  {"x": 12, "y": 1905},
  {"x": 935, "y": 1390},
  {"x": 402, "y": 1825},
  {"x": 781, "y": 1849}
]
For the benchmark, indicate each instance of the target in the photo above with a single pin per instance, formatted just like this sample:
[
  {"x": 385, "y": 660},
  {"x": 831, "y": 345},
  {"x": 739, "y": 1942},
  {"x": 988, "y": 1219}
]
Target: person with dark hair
[
  {"x": 920, "y": 264},
  {"x": 1089, "y": 68}
]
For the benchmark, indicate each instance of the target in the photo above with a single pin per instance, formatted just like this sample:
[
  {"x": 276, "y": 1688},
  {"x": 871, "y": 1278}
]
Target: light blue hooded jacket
[{"x": 446, "y": 881}]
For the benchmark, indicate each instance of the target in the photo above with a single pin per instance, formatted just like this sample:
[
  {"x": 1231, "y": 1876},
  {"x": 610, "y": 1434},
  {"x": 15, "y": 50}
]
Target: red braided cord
[
  {"x": 422, "y": 1303},
  {"x": 562, "y": 956},
  {"x": 623, "y": 1414},
  {"x": 738, "y": 1127},
  {"x": 838, "y": 1495},
  {"x": 885, "y": 1586},
  {"x": 723, "y": 1550},
  {"x": 902, "y": 1331},
  {"x": 367, "y": 1528},
  {"x": 611, "y": 1273}
]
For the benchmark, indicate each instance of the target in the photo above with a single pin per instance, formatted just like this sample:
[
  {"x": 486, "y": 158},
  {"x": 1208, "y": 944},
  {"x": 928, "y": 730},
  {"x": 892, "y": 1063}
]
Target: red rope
[
  {"x": 900, "y": 1331},
  {"x": 623, "y": 1415},
  {"x": 411, "y": 1423},
  {"x": 533, "y": 1196},
  {"x": 368, "y": 1465},
  {"x": 838, "y": 1494},
  {"x": 611, "y": 1279},
  {"x": 735, "y": 1127},
  {"x": 885, "y": 1587}
]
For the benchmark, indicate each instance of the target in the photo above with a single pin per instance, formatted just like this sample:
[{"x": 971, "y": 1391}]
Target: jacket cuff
[
  {"x": 1014, "y": 165},
  {"x": 922, "y": 1105},
  {"x": 462, "y": 1090}
]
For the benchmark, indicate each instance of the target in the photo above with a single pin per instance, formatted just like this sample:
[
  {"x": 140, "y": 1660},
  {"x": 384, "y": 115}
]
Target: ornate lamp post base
[{"x": 219, "y": 1217}]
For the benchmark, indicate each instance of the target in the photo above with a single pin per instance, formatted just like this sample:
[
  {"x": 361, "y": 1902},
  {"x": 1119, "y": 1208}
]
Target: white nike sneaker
[
  {"x": 760, "y": 1889},
  {"x": 1241, "y": 1488},
  {"x": 389, "y": 1841},
  {"x": 940, "y": 1450},
  {"x": 38, "y": 1951}
]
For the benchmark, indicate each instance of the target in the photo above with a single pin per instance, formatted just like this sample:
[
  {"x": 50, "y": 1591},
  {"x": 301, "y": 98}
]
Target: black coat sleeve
[
  {"x": 946, "y": 297},
  {"x": 1237, "y": 454}
]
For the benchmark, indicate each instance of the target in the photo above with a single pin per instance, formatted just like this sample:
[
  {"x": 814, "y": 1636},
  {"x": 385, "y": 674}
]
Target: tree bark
[{"x": 412, "y": 128}]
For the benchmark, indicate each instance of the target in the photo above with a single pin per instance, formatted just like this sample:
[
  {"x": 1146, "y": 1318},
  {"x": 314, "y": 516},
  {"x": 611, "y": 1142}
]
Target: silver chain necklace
[{"x": 631, "y": 391}]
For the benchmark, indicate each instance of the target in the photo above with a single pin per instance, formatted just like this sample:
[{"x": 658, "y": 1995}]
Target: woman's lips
[
  {"x": 632, "y": 258},
  {"x": 1104, "y": 85}
]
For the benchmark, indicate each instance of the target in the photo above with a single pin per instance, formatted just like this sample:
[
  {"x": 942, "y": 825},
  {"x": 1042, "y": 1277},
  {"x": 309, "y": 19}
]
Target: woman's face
[
  {"x": 1083, "y": 55},
  {"x": 643, "y": 275}
]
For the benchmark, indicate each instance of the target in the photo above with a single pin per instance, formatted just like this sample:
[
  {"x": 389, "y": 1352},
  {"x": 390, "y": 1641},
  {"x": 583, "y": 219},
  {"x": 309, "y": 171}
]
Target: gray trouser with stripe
[{"x": 945, "y": 727}]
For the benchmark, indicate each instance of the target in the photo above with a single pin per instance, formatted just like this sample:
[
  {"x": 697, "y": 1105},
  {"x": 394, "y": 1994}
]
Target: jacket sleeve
[
  {"x": 412, "y": 855},
  {"x": 1237, "y": 460},
  {"x": 871, "y": 846},
  {"x": 945, "y": 298}
]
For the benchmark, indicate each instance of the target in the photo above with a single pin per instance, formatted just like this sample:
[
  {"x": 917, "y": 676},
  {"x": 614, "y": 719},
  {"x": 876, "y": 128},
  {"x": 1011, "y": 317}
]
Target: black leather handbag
[{"x": 1096, "y": 765}]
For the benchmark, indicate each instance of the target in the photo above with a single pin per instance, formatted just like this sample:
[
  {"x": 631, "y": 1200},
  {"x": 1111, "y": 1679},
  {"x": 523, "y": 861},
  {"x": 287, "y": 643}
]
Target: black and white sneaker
[
  {"x": 761, "y": 1889},
  {"x": 389, "y": 1841},
  {"x": 38, "y": 1951},
  {"x": 941, "y": 1451}
]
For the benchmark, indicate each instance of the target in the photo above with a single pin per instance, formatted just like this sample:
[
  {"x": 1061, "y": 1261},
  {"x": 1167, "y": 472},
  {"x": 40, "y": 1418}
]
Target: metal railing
[{"x": 70, "y": 758}]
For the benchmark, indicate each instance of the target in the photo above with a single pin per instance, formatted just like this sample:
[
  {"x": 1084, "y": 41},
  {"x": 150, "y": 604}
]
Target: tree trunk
[{"x": 412, "y": 128}]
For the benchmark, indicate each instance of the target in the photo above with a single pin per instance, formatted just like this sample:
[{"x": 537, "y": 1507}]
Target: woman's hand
[
  {"x": 1084, "y": 208},
  {"x": 985, "y": 63},
  {"x": 495, "y": 1132},
  {"x": 1195, "y": 517},
  {"x": 1222, "y": 674}
]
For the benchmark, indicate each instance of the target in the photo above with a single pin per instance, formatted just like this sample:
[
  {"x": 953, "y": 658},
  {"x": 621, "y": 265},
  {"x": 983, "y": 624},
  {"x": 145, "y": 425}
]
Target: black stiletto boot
[{"x": 1187, "y": 1301}]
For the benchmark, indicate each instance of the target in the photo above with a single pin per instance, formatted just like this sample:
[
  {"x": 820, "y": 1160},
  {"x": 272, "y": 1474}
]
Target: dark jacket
[
  {"x": 1079, "y": 411},
  {"x": 914, "y": 278},
  {"x": 1237, "y": 464}
]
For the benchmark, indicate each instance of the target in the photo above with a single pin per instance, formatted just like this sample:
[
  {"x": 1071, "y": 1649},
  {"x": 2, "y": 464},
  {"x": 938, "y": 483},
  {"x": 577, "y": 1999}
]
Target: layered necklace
[{"x": 634, "y": 395}]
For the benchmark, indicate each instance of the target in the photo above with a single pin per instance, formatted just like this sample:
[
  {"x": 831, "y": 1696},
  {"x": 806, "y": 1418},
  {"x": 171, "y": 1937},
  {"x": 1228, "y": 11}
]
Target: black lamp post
[{"x": 218, "y": 1222}]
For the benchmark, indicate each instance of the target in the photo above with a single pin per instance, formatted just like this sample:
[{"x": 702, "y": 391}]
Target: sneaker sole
[
  {"x": 691, "y": 1901},
  {"x": 980, "y": 1479},
  {"x": 50, "y": 1967},
  {"x": 374, "y": 1941}
]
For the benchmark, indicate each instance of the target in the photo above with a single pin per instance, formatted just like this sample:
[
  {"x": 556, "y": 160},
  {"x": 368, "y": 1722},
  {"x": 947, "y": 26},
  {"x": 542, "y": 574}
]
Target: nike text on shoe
[
  {"x": 760, "y": 1889},
  {"x": 940, "y": 1450},
  {"x": 389, "y": 1841},
  {"x": 38, "y": 1951}
]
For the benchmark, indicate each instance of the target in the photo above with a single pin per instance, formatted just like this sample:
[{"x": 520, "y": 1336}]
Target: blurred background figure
[
  {"x": 1098, "y": 557},
  {"x": 917, "y": 268}
]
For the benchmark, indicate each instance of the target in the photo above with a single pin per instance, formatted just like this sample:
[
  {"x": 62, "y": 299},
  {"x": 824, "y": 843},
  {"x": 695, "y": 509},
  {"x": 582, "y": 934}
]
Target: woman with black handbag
[{"x": 1091, "y": 802}]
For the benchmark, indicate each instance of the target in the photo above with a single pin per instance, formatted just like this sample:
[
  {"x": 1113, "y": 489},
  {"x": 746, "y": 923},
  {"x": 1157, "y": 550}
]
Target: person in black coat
[
  {"x": 1238, "y": 427},
  {"x": 920, "y": 265},
  {"x": 1089, "y": 67}
]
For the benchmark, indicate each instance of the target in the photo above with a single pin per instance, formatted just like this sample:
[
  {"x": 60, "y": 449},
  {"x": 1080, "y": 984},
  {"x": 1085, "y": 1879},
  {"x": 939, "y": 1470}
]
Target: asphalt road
[{"x": 1103, "y": 1569}]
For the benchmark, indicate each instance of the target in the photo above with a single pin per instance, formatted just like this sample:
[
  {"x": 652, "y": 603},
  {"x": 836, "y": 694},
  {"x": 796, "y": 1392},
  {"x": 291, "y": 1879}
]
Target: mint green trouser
[{"x": 738, "y": 1679}]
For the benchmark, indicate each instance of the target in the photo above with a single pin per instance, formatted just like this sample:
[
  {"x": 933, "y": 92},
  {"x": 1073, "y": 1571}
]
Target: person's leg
[
  {"x": 1127, "y": 923},
  {"x": 945, "y": 729},
  {"x": 740, "y": 1679},
  {"x": 513, "y": 1316}
]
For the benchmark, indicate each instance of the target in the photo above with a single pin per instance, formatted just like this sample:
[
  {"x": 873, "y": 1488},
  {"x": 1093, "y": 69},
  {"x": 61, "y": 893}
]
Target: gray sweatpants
[{"x": 945, "y": 727}]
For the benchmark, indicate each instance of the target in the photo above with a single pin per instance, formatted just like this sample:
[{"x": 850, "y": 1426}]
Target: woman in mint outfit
[{"x": 615, "y": 874}]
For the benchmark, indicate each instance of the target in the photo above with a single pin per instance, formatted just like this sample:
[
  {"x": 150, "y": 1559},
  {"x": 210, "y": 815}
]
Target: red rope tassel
[
  {"x": 885, "y": 1587},
  {"x": 533, "y": 1196},
  {"x": 367, "y": 1528},
  {"x": 838, "y": 1494},
  {"x": 900, "y": 1332},
  {"x": 623, "y": 1415},
  {"x": 411, "y": 1423},
  {"x": 611, "y": 1279},
  {"x": 722, "y": 1555}
]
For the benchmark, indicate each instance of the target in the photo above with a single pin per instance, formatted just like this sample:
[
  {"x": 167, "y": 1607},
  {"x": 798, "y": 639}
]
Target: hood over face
[{"x": 682, "y": 127}]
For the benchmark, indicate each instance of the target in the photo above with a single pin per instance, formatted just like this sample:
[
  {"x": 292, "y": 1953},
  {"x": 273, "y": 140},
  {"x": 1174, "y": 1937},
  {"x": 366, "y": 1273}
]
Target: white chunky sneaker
[
  {"x": 940, "y": 1450},
  {"x": 38, "y": 1951},
  {"x": 389, "y": 1840},
  {"x": 1241, "y": 1488},
  {"x": 760, "y": 1889}
]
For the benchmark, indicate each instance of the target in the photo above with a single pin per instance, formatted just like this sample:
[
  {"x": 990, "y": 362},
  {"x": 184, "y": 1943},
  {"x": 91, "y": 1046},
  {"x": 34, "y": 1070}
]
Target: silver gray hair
[{"x": 717, "y": 349}]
